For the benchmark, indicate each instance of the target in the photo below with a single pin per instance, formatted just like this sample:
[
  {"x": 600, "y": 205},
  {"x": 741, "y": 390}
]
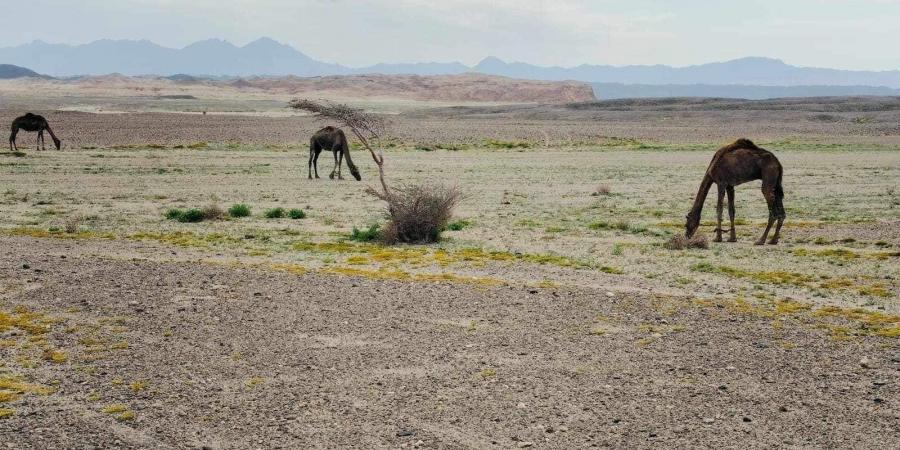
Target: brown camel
[
  {"x": 331, "y": 138},
  {"x": 31, "y": 122},
  {"x": 734, "y": 164}
]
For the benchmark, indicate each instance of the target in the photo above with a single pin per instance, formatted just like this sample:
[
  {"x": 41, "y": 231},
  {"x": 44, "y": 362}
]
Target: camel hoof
[
  {"x": 773, "y": 242},
  {"x": 732, "y": 239},
  {"x": 718, "y": 239},
  {"x": 759, "y": 242}
]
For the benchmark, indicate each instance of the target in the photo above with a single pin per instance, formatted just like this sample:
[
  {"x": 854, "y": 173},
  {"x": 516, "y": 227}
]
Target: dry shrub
[
  {"x": 681, "y": 242},
  {"x": 418, "y": 213},
  {"x": 603, "y": 189},
  {"x": 72, "y": 223},
  {"x": 213, "y": 212}
]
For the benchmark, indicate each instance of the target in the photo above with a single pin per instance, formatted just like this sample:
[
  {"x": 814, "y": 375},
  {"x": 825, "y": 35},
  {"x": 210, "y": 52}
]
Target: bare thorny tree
[
  {"x": 418, "y": 213},
  {"x": 365, "y": 126}
]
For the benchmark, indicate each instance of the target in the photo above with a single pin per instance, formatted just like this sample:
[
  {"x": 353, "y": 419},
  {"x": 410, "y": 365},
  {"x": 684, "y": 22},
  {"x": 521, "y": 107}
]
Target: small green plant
[
  {"x": 239, "y": 210},
  {"x": 174, "y": 213},
  {"x": 191, "y": 216},
  {"x": 296, "y": 214},
  {"x": 366, "y": 235},
  {"x": 458, "y": 225},
  {"x": 274, "y": 213}
]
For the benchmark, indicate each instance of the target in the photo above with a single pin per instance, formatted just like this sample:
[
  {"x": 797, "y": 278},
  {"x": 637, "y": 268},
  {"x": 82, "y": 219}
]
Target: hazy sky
[{"x": 847, "y": 34}]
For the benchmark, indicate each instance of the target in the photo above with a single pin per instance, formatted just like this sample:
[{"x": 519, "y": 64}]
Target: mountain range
[{"x": 215, "y": 57}]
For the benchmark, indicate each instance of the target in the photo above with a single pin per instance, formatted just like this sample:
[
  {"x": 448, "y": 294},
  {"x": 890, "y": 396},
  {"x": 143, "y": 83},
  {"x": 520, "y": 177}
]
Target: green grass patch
[
  {"x": 274, "y": 213},
  {"x": 185, "y": 215},
  {"x": 459, "y": 225},
  {"x": 365, "y": 235},
  {"x": 239, "y": 210}
]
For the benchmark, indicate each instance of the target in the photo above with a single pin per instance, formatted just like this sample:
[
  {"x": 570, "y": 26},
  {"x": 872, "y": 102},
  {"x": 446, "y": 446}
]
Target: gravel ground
[
  {"x": 187, "y": 355},
  {"x": 610, "y": 124}
]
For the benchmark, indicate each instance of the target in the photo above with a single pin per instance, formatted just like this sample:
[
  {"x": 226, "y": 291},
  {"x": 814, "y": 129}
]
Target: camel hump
[
  {"x": 744, "y": 143},
  {"x": 30, "y": 115},
  {"x": 328, "y": 129}
]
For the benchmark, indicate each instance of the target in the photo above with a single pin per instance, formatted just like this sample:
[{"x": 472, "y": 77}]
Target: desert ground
[{"x": 549, "y": 316}]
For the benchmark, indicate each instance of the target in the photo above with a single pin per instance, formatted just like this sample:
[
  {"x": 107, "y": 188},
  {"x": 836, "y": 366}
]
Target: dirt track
[{"x": 231, "y": 357}]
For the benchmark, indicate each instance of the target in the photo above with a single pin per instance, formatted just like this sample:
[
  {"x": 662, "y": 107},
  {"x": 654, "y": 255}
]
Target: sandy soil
[{"x": 240, "y": 358}]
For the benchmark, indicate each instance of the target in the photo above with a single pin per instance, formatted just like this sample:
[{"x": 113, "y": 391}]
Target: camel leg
[
  {"x": 316, "y": 164},
  {"x": 310, "y": 164},
  {"x": 335, "y": 169},
  {"x": 340, "y": 163},
  {"x": 41, "y": 140},
  {"x": 777, "y": 234},
  {"x": 779, "y": 214},
  {"x": 12, "y": 141},
  {"x": 732, "y": 237},
  {"x": 719, "y": 213},
  {"x": 770, "y": 200}
]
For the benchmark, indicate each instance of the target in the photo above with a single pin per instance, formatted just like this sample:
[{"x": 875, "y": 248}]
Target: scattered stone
[
  {"x": 26, "y": 266},
  {"x": 708, "y": 420},
  {"x": 879, "y": 382},
  {"x": 524, "y": 444},
  {"x": 866, "y": 363},
  {"x": 405, "y": 433},
  {"x": 747, "y": 419}
]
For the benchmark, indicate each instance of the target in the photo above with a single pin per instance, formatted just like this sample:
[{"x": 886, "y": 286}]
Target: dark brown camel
[
  {"x": 330, "y": 138},
  {"x": 31, "y": 122},
  {"x": 734, "y": 164}
]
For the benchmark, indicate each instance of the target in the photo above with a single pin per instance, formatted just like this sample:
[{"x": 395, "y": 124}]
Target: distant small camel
[
  {"x": 735, "y": 164},
  {"x": 331, "y": 138},
  {"x": 31, "y": 122}
]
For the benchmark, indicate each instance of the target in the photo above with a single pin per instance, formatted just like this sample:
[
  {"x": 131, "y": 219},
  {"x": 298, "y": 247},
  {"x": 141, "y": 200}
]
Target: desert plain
[{"x": 551, "y": 315}]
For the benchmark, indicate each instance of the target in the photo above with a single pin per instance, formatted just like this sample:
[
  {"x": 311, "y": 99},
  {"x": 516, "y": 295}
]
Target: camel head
[
  {"x": 57, "y": 143},
  {"x": 692, "y": 222},
  {"x": 355, "y": 172}
]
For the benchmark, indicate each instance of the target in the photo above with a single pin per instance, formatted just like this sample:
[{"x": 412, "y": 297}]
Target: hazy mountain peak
[
  {"x": 211, "y": 43},
  {"x": 266, "y": 42}
]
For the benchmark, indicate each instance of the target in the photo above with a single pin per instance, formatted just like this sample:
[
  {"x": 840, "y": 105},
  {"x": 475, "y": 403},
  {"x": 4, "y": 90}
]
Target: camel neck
[{"x": 701, "y": 195}]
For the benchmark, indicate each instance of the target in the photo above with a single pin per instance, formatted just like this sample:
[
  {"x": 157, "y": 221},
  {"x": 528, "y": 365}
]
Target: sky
[{"x": 843, "y": 34}]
